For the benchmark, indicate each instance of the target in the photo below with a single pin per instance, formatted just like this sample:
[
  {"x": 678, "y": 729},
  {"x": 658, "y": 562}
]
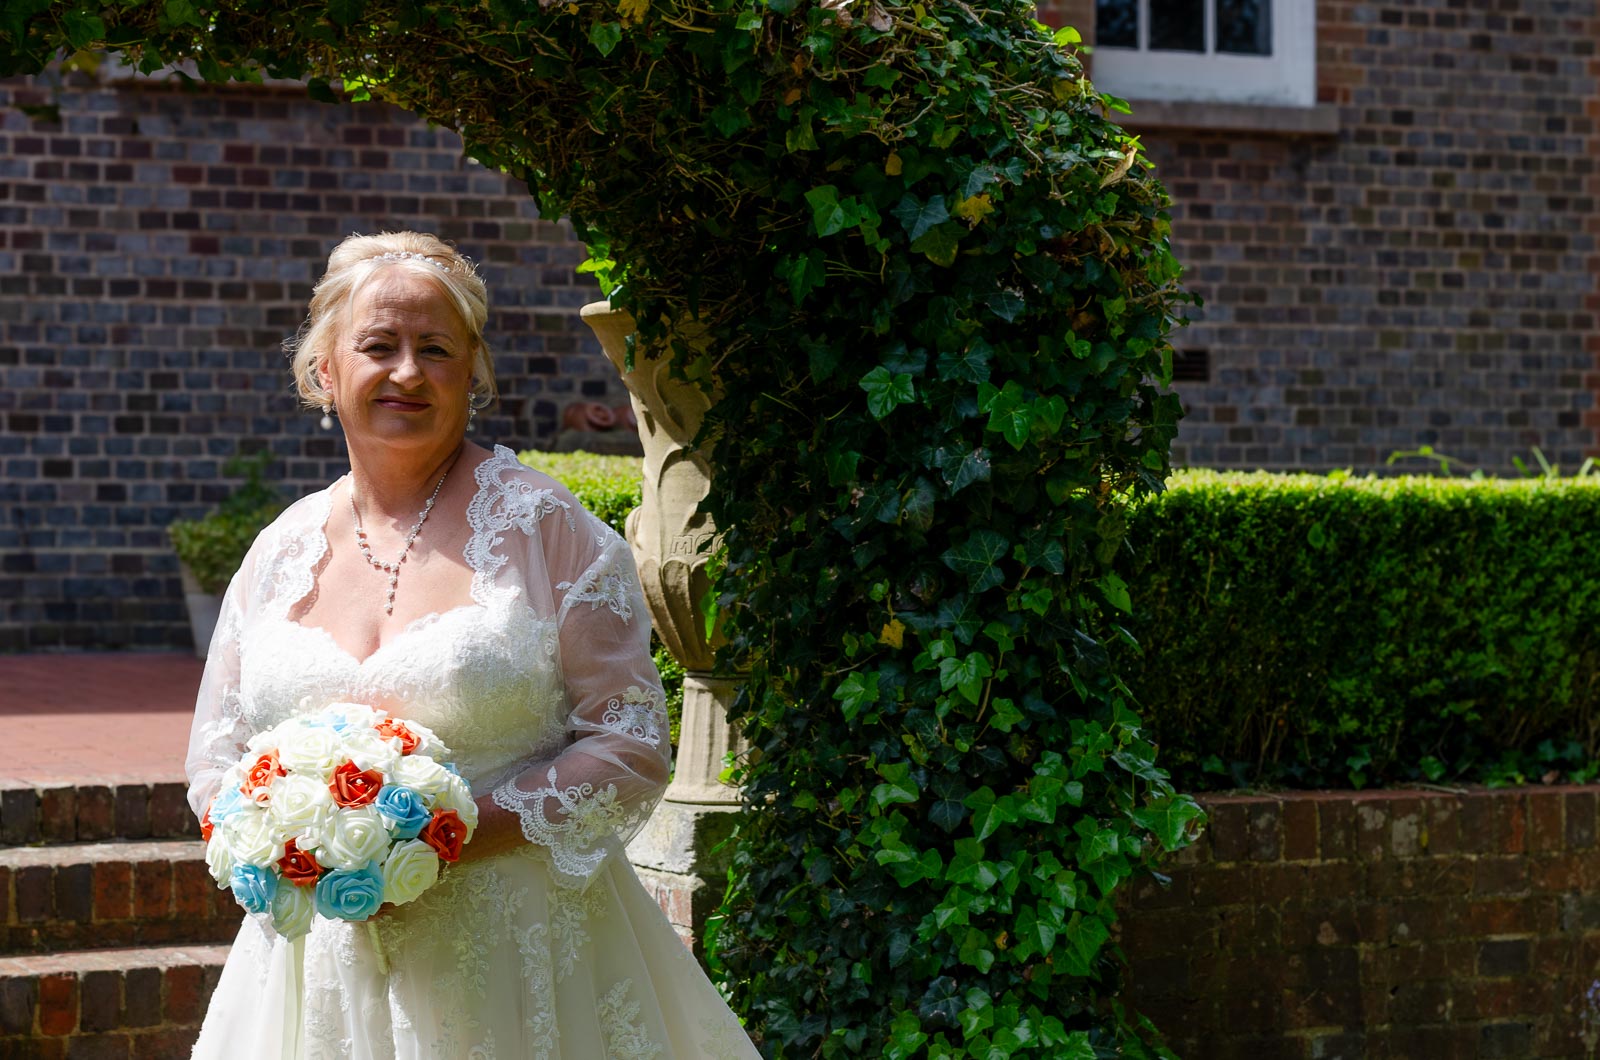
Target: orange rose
[
  {"x": 445, "y": 834},
  {"x": 355, "y": 787},
  {"x": 388, "y": 728},
  {"x": 260, "y": 775},
  {"x": 205, "y": 821},
  {"x": 297, "y": 866}
]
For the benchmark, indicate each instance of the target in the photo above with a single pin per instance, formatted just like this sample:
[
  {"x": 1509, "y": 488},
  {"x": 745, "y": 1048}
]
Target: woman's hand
[{"x": 498, "y": 831}]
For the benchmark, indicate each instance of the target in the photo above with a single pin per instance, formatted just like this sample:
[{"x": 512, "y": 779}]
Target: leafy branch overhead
[{"x": 932, "y": 280}]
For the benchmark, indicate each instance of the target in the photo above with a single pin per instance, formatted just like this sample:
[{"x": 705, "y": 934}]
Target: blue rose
[
  {"x": 404, "y": 809},
  {"x": 253, "y": 887},
  {"x": 450, "y": 767},
  {"x": 227, "y": 803},
  {"x": 350, "y": 894}
]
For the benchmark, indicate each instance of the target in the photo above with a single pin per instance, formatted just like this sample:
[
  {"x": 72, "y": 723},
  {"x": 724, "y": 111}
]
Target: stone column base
[{"x": 682, "y": 857}]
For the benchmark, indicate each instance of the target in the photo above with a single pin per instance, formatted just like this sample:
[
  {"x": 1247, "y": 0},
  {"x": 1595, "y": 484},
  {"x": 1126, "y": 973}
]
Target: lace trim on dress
[
  {"x": 609, "y": 580},
  {"x": 626, "y": 1038},
  {"x": 638, "y": 713},
  {"x": 288, "y": 571},
  {"x": 576, "y": 842},
  {"x": 501, "y": 505}
]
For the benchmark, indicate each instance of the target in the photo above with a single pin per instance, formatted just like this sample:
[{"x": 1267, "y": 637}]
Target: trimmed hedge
[
  {"x": 609, "y": 486},
  {"x": 1333, "y": 630}
]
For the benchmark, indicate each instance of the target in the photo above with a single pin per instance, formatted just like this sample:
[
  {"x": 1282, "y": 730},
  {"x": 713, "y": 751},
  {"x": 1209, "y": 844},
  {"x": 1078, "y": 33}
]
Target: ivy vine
[{"x": 932, "y": 278}]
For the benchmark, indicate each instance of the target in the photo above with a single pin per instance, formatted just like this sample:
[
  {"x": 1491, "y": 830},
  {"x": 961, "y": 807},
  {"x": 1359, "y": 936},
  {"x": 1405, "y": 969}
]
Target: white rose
[
  {"x": 299, "y": 805},
  {"x": 412, "y": 868},
  {"x": 314, "y": 752},
  {"x": 252, "y": 837},
  {"x": 291, "y": 909},
  {"x": 421, "y": 774},
  {"x": 369, "y": 751},
  {"x": 458, "y": 797},
  {"x": 219, "y": 860},
  {"x": 352, "y": 715},
  {"x": 352, "y": 837}
]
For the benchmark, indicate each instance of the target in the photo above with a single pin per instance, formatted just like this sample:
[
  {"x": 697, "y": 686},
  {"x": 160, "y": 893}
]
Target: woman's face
[{"x": 401, "y": 369}]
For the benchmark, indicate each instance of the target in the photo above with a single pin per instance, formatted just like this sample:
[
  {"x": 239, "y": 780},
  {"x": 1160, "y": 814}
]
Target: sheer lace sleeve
[
  {"x": 584, "y": 803},
  {"x": 217, "y": 738}
]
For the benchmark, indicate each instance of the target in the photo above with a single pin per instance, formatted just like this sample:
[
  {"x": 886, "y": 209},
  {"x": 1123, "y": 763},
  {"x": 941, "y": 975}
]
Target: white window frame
[{"x": 1286, "y": 78}]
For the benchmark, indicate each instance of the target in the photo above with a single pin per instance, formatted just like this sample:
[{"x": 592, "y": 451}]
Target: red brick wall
[
  {"x": 1426, "y": 275},
  {"x": 156, "y": 248},
  {"x": 1415, "y": 924}
]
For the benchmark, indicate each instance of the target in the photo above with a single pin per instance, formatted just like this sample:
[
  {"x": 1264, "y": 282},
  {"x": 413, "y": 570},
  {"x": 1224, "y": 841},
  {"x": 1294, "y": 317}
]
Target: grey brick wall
[{"x": 156, "y": 247}]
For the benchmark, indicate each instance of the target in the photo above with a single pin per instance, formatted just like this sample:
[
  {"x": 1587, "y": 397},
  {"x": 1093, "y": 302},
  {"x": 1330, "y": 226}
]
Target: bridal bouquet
[{"x": 336, "y": 813}]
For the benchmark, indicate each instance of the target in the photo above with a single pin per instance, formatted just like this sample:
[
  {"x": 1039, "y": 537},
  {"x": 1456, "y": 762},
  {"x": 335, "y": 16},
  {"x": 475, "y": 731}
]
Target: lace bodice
[{"x": 542, "y": 686}]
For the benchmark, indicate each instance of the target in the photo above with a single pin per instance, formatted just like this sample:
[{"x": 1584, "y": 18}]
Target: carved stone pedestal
[{"x": 681, "y": 855}]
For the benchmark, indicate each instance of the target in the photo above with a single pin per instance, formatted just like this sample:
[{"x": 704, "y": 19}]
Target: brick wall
[
  {"x": 1425, "y": 275},
  {"x": 156, "y": 247},
  {"x": 1354, "y": 926}
]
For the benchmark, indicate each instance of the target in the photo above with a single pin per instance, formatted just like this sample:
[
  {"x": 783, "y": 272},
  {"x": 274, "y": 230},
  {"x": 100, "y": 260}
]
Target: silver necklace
[{"x": 393, "y": 569}]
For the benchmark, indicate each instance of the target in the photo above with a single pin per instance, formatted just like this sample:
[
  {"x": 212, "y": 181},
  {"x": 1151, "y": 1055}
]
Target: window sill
[{"x": 1319, "y": 120}]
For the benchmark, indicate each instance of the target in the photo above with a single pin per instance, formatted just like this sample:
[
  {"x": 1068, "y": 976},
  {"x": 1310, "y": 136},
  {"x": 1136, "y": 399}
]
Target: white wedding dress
[{"x": 544, "y": 690}]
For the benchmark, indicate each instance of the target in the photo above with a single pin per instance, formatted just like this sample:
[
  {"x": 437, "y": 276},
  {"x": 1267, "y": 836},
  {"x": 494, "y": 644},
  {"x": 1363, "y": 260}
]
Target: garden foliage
[
  {"x": 932, "y": 280},
  {"x": 1335, "y": 630}
]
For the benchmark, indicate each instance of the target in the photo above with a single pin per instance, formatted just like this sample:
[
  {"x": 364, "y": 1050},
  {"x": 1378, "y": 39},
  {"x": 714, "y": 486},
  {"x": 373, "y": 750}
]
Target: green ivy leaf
[
  {"x": 1115, "y": 591},
  {"x": 918, "y": 217},
  {"x": 83, "y": 29},
  {"x": 856, "y": 692},
  {"x": 182, "y": 13},
  {"x": 940, "y": 243},
  {"x": 897, "y": 785},
  {"x": 605, "y": 36},
  {"x": 978, "y": 557},
  {"x": 1085, "y": 934},
  {"x": 966, "y": 675},
  {"x": 886, "y": 392},
  {"x": 804, "y": 273},
  {"x": 829, "y": 214},
  {"x": 1169, "y": 818},
  {"x": 905, "y": 1037}
]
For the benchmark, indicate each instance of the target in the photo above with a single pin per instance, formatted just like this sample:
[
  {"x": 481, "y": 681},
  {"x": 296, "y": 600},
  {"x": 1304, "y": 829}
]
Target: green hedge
[
  {"x": 1334, "y": 630},
  {"x": 609, "y": 486}
]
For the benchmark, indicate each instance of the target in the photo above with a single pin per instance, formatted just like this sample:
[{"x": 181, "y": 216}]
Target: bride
[{"x": 448, "y": 584}]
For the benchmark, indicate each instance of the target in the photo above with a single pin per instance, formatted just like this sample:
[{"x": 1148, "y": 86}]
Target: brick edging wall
[{"x": 1424, "y": 924}]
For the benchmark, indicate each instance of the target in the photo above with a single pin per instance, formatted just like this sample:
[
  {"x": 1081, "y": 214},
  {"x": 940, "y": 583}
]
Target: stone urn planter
[{"x": 672, "y": 541}]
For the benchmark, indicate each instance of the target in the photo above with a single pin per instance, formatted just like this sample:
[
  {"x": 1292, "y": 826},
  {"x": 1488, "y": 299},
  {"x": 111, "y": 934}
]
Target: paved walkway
[{"x": 114, "y": 717}]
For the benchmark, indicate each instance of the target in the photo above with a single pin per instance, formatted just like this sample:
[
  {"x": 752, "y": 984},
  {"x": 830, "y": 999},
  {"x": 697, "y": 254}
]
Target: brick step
[
  {"x": 95, "y": 809},
  {"x": 137, "y": 1003},
  {"x": 120, "y": 893}
]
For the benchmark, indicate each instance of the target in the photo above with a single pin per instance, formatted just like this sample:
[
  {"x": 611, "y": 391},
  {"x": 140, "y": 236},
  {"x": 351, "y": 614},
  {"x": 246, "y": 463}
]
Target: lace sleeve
[
  {"x": 217, "y": 738},
  {"x": 587, "y": 801}
]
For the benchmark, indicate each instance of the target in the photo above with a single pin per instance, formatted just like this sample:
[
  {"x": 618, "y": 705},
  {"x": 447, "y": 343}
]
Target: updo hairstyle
[{"x": 354, "y": 263}]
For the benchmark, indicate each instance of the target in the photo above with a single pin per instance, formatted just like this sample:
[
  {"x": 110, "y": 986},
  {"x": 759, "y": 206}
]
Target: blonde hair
[{"x": 351, "y": 266}]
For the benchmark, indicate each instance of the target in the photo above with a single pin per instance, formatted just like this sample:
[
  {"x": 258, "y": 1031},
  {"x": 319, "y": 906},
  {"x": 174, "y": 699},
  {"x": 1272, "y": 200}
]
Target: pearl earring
[{"x": 327, "y": 415}]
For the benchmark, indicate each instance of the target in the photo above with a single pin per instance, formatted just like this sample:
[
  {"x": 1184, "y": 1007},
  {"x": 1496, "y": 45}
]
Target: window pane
[
  {"x": 1244, "y": 27},
  {"x": 1116, "y": 23},
  {"x": 1177, "y": 25}
]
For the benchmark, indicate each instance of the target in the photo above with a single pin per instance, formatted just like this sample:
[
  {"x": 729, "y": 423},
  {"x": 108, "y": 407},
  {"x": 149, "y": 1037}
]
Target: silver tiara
[{"x": 403, "y": 255}]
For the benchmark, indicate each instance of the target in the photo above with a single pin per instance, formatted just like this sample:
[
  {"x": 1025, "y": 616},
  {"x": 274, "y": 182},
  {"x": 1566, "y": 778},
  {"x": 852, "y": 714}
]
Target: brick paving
[{"x": 113, "y": 718}]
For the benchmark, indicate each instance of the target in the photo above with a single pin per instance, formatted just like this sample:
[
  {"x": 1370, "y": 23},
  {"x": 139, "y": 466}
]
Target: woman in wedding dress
[{"x": 449, "y": 584}]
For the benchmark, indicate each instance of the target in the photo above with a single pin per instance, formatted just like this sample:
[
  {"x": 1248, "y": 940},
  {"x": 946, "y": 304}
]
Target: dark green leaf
[
  {"x": 918, "y": 217},
  {"x": 978, "y": 557}
]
